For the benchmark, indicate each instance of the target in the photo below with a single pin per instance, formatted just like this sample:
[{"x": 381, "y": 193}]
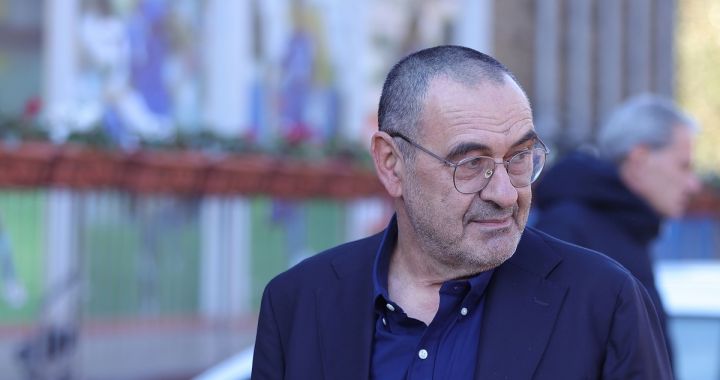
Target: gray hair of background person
[
  {"x": 407, "y": 82},
  {"x": 646, "y": 119}
]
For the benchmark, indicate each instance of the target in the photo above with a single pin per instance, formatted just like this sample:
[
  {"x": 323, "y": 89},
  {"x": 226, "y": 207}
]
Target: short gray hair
[
  {"x": 645, "y": 119},
  {"x": 405, "y": 87}
]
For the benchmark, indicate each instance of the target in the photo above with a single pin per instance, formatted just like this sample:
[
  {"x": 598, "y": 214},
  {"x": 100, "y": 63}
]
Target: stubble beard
[{"x": 458, "y": 254}]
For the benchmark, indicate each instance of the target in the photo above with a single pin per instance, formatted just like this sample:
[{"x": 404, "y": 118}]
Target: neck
[
  {"x": 414, "y": 278},
  {"x": 418, "y": 295}
]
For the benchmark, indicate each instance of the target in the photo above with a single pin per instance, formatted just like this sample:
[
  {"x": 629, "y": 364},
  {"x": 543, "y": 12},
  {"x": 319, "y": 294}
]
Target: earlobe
[{"x": 388, "y": 164}]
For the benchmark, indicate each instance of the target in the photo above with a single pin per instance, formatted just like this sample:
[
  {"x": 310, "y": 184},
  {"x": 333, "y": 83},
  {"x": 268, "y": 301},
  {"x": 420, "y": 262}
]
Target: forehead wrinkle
[
  {"x": 462, "y": 118},
  {"x": 454, "y": 108},
  {"x": 454, "y": 114},
  {"x": 473, "y": 123}
]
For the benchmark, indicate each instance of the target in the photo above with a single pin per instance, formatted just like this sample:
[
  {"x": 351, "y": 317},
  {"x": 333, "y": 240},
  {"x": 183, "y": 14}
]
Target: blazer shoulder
[{"x": 580, "y": 261}]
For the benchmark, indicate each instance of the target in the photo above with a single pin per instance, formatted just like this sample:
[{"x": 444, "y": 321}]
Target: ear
[
  {"x": 637, "y": 157},
  {"x": 388, "y": 163},
  {"x": 633, "y": 169}
]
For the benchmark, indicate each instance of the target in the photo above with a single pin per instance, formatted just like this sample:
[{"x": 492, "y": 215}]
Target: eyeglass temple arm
[{"x": 400, "y": 135}]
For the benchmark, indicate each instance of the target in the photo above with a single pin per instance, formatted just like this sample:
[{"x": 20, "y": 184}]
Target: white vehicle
[
  {"x": 236, "y": 367},
  {"x": 691, "y": 293}
]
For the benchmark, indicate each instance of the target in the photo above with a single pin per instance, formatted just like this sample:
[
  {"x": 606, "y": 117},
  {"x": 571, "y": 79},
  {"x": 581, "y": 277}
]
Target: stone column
[
  {"x": 664, "y": 47},
  {"x": 228, "y": 67},
  {"x": 348, "y": 41},
  {"x": 546, "y": 98},
  {"x": 638, "y": 21},
  {"x": 60, "y": 56},
  {"x": 609, "y": 57},
  {"x": 475, "y": 25},
  {"x": 579, "y": 68}
]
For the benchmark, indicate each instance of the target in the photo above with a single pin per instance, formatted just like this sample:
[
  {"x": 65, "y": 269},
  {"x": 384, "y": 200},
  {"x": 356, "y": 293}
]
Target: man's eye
[{"x": 474, "y": 163}]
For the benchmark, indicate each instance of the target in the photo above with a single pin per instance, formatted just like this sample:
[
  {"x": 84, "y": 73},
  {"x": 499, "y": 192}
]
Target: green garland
[{"x": 15, "y": 130}]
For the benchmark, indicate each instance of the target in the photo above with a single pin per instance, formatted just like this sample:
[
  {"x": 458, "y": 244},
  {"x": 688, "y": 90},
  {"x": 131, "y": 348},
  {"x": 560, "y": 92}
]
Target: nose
[{"x": 499, "y": 190}]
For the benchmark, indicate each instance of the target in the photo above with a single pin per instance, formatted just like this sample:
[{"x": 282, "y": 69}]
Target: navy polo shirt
[{"x": 406, "y": 348}]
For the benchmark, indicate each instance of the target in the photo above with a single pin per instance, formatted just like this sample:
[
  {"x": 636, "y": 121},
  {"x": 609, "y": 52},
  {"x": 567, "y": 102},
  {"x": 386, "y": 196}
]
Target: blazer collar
[
  {"x": 346, "y": 317},
  {"x": 520, "y": 312}
]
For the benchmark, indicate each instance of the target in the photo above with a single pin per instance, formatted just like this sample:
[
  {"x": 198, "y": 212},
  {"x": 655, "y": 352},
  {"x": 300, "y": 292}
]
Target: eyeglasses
[{"x": 472, "y": 174}]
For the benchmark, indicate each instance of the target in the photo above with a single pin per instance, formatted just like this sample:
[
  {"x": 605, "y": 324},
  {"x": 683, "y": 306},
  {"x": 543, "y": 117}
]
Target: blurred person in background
[
  {"x": 456, "y": 287},
  {"x": 613, "y": 200}
]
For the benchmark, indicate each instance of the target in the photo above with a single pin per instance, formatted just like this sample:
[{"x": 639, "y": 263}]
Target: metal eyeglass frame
[{"x": 488, "y": 174}]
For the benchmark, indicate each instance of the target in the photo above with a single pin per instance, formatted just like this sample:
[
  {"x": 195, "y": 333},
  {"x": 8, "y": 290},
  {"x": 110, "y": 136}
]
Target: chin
[
  {"x": 487, "y": 260},
  {"x": 495, "y": 250}
]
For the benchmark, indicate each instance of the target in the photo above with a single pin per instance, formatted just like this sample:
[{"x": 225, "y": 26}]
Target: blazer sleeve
[
  {"x": 636, "y": 345},
  {"x": 268, "y": 360}
]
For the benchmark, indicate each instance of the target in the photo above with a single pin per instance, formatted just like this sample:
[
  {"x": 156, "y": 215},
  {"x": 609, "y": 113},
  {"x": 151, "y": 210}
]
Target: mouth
[{"x": 495, "y": 223}]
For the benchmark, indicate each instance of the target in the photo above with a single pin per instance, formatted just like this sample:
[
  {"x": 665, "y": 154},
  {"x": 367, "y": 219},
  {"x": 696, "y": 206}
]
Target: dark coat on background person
[
  {"x": 582, "y": 200},
  {"x": 553, "y": 311}
]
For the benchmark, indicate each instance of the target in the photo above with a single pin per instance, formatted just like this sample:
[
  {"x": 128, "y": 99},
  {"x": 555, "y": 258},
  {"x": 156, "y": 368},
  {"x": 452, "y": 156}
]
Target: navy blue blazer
[{"x": 554, "y": 311}]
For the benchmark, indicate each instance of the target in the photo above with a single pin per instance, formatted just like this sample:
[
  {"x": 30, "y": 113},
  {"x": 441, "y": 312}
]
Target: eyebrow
[{"x": 466, "y": 147}]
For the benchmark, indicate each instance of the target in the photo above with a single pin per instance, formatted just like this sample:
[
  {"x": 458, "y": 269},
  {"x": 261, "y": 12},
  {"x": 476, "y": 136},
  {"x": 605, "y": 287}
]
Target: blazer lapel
[
  {"x": 346, "y": 320},
  {"x": 520, "y": 313}
]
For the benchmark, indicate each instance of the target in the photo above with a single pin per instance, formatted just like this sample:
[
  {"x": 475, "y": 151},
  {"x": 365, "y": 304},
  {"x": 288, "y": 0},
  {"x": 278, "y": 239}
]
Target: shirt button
[
  {"x": 423, "y": 354},
  {"x": 384, "y": 321},
  {"x": 463, "y": 311},
  {"x": 390, "y": 307}
]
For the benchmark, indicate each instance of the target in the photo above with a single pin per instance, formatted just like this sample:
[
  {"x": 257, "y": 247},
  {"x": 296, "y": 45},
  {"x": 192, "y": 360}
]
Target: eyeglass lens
[{"x": 473, "y": 174}]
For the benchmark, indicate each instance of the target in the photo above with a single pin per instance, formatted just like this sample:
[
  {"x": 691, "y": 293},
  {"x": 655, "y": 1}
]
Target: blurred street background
[{"x": 161, "y": 160}]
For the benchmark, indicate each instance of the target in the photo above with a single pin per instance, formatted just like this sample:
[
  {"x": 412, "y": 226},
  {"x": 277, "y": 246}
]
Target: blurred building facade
[
  {"x": 131, "y": 274},
  {"x": 313, "y": 68},
  {"x": 579, "y": 59}
]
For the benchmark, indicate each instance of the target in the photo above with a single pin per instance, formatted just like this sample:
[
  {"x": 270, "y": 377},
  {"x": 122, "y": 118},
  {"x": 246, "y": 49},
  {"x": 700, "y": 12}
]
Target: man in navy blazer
[{"x": 456, "y": 287}]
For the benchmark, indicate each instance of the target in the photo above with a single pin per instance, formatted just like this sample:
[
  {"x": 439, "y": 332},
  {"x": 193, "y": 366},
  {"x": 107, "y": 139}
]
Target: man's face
[
  {"x": 667, "y": 176},
  {"x": 469, "y": 232}
]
